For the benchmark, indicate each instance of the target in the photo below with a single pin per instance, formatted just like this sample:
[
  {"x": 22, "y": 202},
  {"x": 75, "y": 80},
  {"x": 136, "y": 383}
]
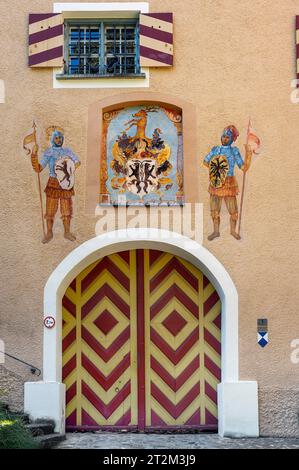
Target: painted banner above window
[
  {"x": 142, "y": 156},
  {"x": 156, "y": 39},
  {"x": 100, "y": 47},
  {"x": 45, "y": 40}
]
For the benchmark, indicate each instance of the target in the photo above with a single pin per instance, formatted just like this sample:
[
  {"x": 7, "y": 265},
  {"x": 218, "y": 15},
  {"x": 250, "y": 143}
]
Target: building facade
[{"x": 149, "y": 220}]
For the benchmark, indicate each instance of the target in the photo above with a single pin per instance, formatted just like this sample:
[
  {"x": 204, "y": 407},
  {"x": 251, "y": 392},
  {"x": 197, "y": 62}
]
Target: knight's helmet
[
  {"x": 50, "y": 133},
  {"x": 232, "y": 132}
]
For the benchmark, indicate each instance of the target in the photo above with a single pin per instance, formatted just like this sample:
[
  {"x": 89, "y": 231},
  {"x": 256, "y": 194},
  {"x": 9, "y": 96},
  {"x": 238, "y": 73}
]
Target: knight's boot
[
  {"x": 233, "y": 226},
  {"x": 216, "y": 233},
  {"x": 67, "y": 233},
  {"x": 49, "y": 234}
]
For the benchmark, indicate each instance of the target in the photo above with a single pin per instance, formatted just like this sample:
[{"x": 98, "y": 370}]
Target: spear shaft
[
  {"x": 39, "y": 187},
  {"x": 243, "y": 185}
]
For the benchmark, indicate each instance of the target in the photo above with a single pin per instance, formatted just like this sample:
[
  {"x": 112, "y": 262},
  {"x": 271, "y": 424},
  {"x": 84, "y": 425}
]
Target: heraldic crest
[
  {"x": 218, "y": 170},
  {"x": 142, "y": 163}
]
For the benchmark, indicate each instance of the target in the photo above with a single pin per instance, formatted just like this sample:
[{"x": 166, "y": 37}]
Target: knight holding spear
[
  {"x": 221, "y": 161},
  {"x": 62, "y": 163}
]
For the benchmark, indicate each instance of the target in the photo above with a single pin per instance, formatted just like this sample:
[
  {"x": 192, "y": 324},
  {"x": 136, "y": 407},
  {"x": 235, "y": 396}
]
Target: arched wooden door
[{"x": 141, "y": 344}]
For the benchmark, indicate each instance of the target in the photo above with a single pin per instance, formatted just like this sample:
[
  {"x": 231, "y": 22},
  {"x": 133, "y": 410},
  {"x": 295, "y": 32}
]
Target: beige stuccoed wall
[{"x": 233, "y": 59}]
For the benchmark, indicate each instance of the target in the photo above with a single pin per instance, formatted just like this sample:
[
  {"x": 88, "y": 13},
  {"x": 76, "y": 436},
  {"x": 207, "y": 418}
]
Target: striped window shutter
[
  {"x": 297, "y": 47},
  {"x": 45, "y": 40},
  {"x": 156, "y": 39}
]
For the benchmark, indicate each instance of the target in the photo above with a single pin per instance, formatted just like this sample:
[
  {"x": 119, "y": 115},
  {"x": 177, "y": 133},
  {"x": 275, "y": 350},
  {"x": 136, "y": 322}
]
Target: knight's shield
[
  {"x": 142, "y": 176},
  {"x": 218, "y": 170},
  {"x": 65, "y": 172}
]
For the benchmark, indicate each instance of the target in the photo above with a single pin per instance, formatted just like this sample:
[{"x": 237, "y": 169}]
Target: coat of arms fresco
[{"x": 142, "y": 156}]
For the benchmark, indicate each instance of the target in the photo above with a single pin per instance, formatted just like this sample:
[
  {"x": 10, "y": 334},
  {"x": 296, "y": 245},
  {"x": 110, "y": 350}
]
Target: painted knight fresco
[
  {"x": 143, "y": 156},
  {"x": 61, "y": 163},
  {"x": 221, "y": 162}
]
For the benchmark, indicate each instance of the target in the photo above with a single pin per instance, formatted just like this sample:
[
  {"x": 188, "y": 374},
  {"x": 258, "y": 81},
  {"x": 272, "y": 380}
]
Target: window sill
[{"x": 93, "y": 76}]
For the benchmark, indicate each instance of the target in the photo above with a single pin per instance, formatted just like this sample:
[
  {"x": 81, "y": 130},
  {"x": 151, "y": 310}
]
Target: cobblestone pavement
[{"x": 104, "y": 440}]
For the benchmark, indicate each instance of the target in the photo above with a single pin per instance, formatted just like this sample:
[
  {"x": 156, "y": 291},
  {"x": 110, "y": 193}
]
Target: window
[{"x": 101, "y": 48}]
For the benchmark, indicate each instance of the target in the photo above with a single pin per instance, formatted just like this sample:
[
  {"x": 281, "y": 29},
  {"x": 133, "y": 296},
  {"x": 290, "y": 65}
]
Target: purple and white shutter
[
  {"x": 297, "y": 49},
  {"x": 45, "y": 40},
  {"x": 156, "y": 39}
]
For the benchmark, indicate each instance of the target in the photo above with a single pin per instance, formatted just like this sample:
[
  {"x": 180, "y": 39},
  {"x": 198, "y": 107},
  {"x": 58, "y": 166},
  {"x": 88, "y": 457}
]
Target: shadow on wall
[{"x": 12, "y": 388}]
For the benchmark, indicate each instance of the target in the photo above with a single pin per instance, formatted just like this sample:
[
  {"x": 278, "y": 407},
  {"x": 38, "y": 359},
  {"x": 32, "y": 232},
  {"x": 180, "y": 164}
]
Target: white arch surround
[{"x": 237, "y": 401}]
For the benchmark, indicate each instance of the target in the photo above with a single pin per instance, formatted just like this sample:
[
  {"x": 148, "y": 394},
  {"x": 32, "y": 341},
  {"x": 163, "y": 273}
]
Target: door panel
[
  {"x": 99, "y": 344},
  {"x": 141, "y": 344},
  {"x": 183, "y": 343}
]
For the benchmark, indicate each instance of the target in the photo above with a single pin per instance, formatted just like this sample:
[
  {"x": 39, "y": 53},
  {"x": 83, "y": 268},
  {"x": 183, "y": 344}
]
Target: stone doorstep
[
  {"x": 22, "y": 417},
  {"x": 43, "y": 433},
  {"x": 40, "y": 429}
]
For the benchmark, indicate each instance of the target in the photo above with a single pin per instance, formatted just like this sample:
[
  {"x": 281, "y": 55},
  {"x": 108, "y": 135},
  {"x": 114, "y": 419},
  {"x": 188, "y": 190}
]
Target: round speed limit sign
[{"x": 49, "y": 322}]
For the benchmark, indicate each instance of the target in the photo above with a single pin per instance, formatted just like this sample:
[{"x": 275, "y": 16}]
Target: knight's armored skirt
[
  {"x": 230, "y": 188},
  {"x": 53, "y": 190}
]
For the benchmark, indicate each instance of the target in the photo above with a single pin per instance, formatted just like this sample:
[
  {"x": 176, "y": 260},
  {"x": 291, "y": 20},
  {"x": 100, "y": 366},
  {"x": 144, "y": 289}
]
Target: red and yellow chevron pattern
[
  {"x": 141, "y": 344},
  {"x": 183, "y": 315},
  {"x": 99, "y": 344}
]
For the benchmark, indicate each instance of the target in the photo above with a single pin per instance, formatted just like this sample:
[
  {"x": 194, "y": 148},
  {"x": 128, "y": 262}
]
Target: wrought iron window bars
[{"x": 105, "y": 48}]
